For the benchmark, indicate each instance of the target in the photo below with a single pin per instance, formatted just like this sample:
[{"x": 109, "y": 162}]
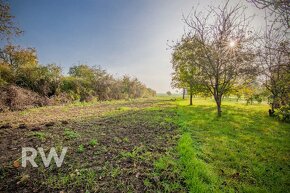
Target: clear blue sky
[{"x": 122, "y": 36}]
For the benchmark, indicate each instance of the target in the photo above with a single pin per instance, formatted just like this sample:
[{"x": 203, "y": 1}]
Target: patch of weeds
[
  {"x": 167, "y": 175},
  {"x": 39, "y": 135},
  {"x": 163, "y": 163},
  {"x": 126, "y": 140},
  {"x": 146, "y": 156},
  {"x": 147, "y": 183},
  {"x": 70, "y": 134},
  {"x": 126, "y": 154},
  {"x": 123, "y": 108},
  {"x": 135, "y": 153},
  {"x": 23, "y": 113},
  {"x": 115, "y": 172},
  {"x": 117, "y": 140},
  {"x": 81, "y": 148},
  {"x": 84, "y": 179},
  {"x": 93, "y": 142}
]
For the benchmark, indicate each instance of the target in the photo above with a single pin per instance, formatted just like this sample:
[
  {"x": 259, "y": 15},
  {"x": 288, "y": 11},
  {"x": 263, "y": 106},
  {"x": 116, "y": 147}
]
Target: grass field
[
  {"x": 243, "y": 151},
  {"x": 149, "y": 145}
]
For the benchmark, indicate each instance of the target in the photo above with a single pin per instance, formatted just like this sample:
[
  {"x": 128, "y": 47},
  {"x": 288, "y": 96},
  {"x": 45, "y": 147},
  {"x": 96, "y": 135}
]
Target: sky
[{"x": 122, "y": 36}]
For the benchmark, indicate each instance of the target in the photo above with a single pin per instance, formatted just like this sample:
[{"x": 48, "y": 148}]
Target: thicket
[{"x": 20, "y": 66}]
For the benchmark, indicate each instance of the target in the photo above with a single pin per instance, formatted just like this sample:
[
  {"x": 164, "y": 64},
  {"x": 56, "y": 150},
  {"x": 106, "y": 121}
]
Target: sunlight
[{"x": 232, "y": 43}]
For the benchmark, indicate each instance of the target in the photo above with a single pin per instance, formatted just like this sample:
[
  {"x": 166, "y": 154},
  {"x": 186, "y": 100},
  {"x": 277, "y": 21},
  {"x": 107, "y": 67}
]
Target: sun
[{"x": 232, "y": 43}]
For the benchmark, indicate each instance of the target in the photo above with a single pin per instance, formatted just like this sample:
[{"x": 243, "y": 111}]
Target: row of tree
[
  {"x": 20, "y": 66},
  {"x": 221, "y": 55}
]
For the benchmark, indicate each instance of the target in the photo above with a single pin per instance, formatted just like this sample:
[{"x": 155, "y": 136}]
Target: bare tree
[
  {"x": 274, "y": 62},
  {"x": 273, "y": 51},
  {"x": 279, "y": 9},
  {"x": 8, "y": 27},
  {"x": 225, "y": 39}
]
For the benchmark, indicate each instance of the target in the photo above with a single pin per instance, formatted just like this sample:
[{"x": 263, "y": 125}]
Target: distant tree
[
  {"x": 49, "y": 79},
  {"x": 22, "y": 63},
  {"x": 185, "y": 59},
  {"x": 126, "y": 86},
  {"x": 71, "y": 86},
  {"x": 8, "y": 28},
  {"x": 20, "y": 66},
  {"x": 168, "y": 93},
  {"x": 84, "y": 82},
  {"x": 103, "y": 84},
  {"x": 225, "y": 39},
  {"x": 183, "y": 92},
  {"x": 89, "y": 81},
  {"x": 6, "y": 74}
]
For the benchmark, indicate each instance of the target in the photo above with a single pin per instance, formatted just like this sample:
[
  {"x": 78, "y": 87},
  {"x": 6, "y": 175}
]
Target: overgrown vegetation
[{"x": 20, "y": 67}]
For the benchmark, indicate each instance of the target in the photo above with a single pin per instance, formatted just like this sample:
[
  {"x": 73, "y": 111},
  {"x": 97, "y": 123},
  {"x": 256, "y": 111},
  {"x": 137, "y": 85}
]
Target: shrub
[{"x": 283, "y": 113}]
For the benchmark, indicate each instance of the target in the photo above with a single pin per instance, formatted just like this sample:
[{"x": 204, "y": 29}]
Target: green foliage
[
  {"x": 283, "y": 113},
  {"x": 20, "y": 66},
  {"x": 186, "y": 58},
  {"x": 6, "y": 74},
  {"x": 169, "y": 170},
  {"x": 81, "y": 148},
  {"x": 197, "y": 174},
  {"x": 93, "y": 142},
  {"x": 115, "y": 172},
  {"x": 70, "y": 134},
  {"x": 84, "y": 179},
  {"x": 39, "y": 135}
]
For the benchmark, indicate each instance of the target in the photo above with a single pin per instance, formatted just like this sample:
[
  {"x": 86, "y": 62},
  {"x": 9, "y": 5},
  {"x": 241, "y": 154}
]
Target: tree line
[
  {"x": 220, "y": 54},
  {"x": 20, "y": 66}
]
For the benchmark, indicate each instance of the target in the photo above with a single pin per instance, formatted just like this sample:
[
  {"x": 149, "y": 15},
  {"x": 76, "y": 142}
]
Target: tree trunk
[
  {"x": 190, "y": 101},
  {"x": 218, "y": 104},
  {"x": 183, "y": 93},
  {"x": 219, "y": 110}
]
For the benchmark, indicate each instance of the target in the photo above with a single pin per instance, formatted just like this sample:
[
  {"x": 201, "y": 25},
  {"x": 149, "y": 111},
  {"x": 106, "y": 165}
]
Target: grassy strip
[
  {"x": 196, "y": 173},
  {"x": 180, "y": 169}
]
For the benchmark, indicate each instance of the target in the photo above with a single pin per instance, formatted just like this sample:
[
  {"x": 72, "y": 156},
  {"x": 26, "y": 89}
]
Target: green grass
[
  {"x": 243, "y": 151},
  {"x": 70, "y": 134},
  {"x": 39, "y": 135},
  {"x": 198, "y": 176},
  {"x": 85, "y": 178},
  {"x": 81, "y": 148},
  {"x": 93, "y": 142}
]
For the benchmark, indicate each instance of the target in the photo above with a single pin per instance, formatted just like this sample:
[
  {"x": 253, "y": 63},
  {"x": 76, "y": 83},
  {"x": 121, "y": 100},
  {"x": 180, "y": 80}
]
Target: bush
[
  {"x": 283, "y": 113},
  {"x": 20, "y": 67}
]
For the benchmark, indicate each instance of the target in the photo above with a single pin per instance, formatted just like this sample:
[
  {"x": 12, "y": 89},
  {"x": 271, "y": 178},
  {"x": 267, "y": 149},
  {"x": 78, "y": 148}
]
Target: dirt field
[{"x": 111, "y": 146}]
